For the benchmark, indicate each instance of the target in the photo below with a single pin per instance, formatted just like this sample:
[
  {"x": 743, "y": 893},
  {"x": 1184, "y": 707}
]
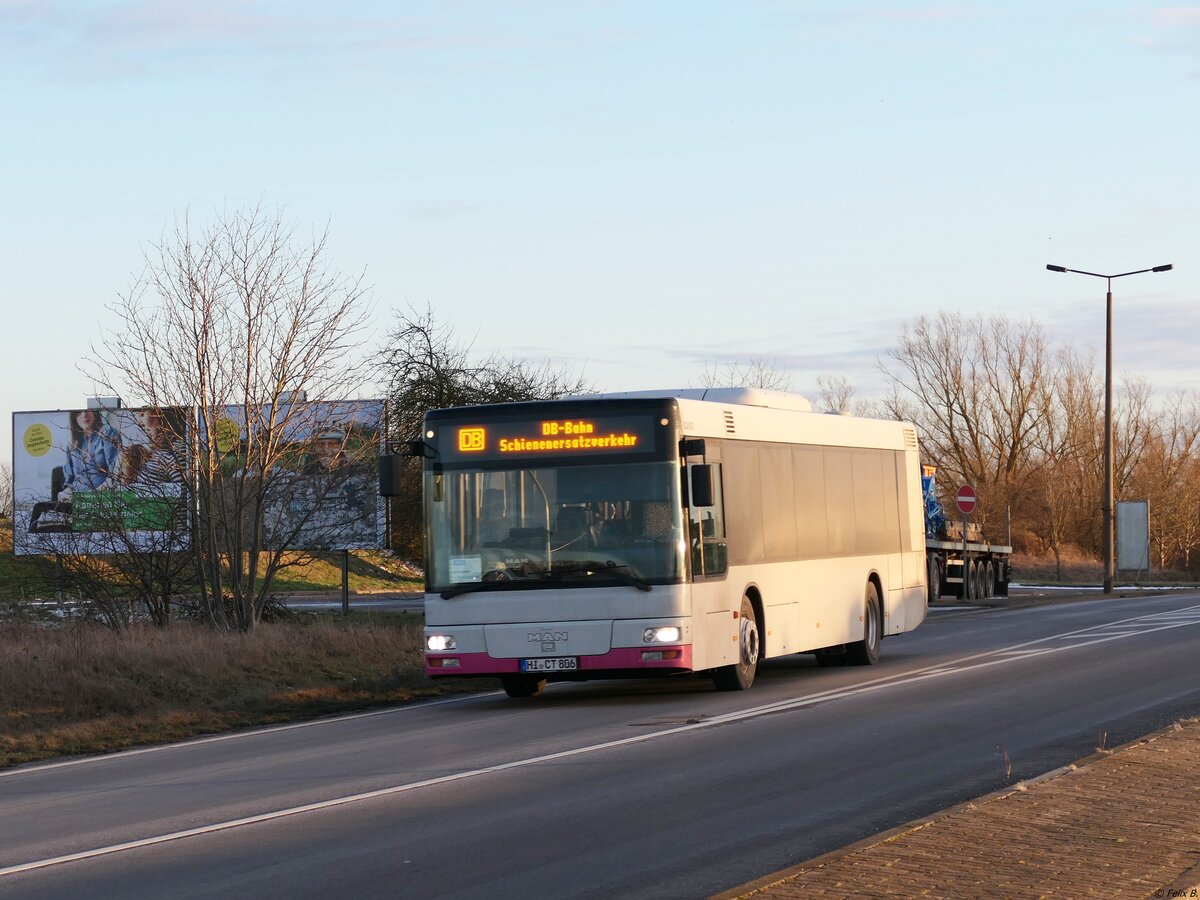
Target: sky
[{"x": 636, "y": 192}]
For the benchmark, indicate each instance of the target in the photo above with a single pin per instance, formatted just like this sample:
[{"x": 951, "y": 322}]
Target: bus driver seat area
[
  {"x": 651, "y": 546},
  {"x": 573, "y": 529}
]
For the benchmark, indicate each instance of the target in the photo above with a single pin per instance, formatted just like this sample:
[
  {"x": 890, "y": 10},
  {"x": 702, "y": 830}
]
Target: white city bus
[{"x": 691, "y": 531}]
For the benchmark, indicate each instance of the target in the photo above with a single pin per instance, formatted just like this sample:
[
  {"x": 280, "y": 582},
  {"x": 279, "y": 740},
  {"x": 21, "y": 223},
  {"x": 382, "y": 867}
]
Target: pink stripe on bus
[{"x": 620, "y": 658}]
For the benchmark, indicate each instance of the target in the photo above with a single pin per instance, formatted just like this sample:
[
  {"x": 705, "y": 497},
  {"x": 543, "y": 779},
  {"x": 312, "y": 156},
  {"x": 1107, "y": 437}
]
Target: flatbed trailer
[
  {"x": 950, "y": 555},
  {"x": 988, "y": 569}
]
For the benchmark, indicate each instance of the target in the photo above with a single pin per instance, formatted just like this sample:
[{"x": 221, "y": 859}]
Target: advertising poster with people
[
  {"x": 322, "y": 490},
  {"x": 100, "y": 480}
]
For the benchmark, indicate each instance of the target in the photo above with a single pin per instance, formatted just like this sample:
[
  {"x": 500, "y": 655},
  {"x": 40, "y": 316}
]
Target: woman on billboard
[{"x": 92, "y": 454}]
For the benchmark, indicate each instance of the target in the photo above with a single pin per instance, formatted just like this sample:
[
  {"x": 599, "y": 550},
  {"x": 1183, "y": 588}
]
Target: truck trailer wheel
[{"x": 934, "y": 584}]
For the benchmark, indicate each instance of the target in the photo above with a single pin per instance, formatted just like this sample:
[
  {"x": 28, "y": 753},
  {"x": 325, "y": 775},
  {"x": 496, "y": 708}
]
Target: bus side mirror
[
  {"x": 391, "y": 467},
  {"x": 702, "y": 485}
]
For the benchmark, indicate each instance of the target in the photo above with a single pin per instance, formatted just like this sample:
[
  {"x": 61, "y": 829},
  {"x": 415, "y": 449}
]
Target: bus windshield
[{"x": 572, "y": 525}]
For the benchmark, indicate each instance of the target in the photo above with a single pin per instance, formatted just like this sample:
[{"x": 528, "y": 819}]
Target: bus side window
[{"x": 710, "y": 555}]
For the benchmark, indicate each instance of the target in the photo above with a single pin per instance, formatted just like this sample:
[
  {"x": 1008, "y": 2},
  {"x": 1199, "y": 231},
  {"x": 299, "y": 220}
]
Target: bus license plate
[{"x": 556, "y": 664}]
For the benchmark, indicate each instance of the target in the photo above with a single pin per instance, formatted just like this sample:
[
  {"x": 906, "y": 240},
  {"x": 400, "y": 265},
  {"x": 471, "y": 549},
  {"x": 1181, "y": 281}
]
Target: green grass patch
[
  {"x": 369, "y": 572},
  {"x": 22, "y": 577},
  {"x": 25, "y": 578}
]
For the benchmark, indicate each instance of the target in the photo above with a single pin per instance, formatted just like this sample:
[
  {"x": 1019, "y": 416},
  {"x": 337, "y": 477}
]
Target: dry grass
[
  {"x": 1030, "y": 568},
  {"x": 85, "y": 689},
  {"x": 1080, "y": 569}
]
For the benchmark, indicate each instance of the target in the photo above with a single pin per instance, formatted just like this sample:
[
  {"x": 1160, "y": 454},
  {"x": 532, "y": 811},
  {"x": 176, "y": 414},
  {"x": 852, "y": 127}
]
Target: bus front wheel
[
  {"x": 740, "y": 676},
  {"x": 522, "y": 685},
  {"x": 866, "y": 651}
]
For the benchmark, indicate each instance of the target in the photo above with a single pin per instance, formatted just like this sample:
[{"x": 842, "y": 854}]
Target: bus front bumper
[{"x": 620, "y": 661}]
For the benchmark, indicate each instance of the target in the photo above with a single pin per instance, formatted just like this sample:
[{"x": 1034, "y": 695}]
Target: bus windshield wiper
[
  {"x": 595, "y": 567},
  {"x": 586, "y": 567},
  {"x": 466, "y": 587}
]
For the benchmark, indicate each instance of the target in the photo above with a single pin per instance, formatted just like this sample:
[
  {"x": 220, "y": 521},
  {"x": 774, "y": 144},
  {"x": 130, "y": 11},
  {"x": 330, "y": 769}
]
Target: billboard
[
  {"x": 322, "y": 492},
  {"x": 1133, "y": 535},
  {"x": 100, "y": 481}
]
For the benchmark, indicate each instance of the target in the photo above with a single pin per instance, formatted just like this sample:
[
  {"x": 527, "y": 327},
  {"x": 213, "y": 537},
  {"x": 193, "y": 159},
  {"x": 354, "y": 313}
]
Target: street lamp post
[{"x": 1107, "y": 536}]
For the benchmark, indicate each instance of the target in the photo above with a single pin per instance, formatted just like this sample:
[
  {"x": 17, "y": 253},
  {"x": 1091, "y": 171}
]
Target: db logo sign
[{"x": 471, "y": 440}]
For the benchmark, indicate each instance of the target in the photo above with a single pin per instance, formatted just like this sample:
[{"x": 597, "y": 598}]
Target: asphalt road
[{"x": 652, "y": 789}]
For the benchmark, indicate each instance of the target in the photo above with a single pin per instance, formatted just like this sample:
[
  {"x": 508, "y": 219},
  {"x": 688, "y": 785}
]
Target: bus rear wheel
[
  {"x": 866, "y": 651},
  {"x": 740, "y": 676},
  {"x": 522, "y": 685}
]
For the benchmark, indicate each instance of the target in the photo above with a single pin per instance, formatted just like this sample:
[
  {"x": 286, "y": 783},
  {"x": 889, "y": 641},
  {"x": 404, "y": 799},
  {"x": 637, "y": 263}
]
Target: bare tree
[
  {"x": 6, "y": 491},
  {"x": 1182, "y": 528},
  {"x": 1025, "y": 425},
  {"x": 834, "y": 393},
  {"x": 975, "y": 383},
  {"x": 237, "y": 315},
  {"x": 1168, "y": 477},
  {"x": 428, "y": 367},
  {"x": 1059, "y": 495},
  {"x": 756, "y": 372},
  {"x": 897, "y": 404},
  {"x": 1133, "y": 428}
]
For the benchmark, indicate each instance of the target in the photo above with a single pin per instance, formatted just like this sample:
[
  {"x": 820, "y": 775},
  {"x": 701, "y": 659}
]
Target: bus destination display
[{"x": 609, "y": 435}]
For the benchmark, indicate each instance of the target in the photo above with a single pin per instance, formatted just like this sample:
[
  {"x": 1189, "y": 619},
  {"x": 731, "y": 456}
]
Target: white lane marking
[
  {"x": 980, "y": 660},
  {"x": 1123, "y": 632},
  {"x": 234, "y": 736}
]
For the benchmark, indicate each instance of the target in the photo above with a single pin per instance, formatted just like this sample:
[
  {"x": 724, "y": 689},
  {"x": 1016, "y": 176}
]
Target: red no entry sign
[{"x": 966, "y": 499}]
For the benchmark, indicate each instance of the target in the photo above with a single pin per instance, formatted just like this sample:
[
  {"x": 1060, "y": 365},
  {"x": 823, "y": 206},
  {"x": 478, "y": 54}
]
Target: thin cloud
[
  {"x": 949, "y": 12},
  {"x": 135, "y": 38},
  {"x": 890, "y": 12},
  {"x": 1185, "y": 17},
  {"x": 1176, "y": 29},
  {"x": 1152, "y": 338},
  {"x": 141, "y": 37},
  {"x": 171, "y": 26}
]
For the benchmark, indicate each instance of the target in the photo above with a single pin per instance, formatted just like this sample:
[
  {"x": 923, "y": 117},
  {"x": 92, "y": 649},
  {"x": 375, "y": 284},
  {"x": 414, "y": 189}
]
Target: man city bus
[{"x": 671, "y": 532}]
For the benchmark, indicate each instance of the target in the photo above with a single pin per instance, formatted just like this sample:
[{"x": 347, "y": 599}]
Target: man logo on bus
[{"x": 471, "y": 440}]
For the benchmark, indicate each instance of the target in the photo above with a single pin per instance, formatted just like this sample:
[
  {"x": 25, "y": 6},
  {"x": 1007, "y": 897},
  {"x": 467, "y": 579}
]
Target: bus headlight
[
  {"x": 440, "y": 642},
  {"x": 668, "y": 634}
]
